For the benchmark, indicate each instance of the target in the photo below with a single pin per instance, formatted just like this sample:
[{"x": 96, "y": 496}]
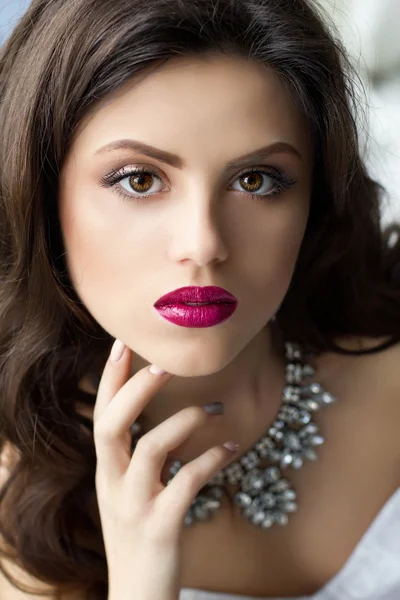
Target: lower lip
[{"x": 197, "y": 316}]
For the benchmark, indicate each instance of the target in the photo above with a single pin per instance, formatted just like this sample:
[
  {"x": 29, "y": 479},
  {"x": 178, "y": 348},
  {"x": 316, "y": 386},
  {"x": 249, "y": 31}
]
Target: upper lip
[{"x": 209, "y": 293}]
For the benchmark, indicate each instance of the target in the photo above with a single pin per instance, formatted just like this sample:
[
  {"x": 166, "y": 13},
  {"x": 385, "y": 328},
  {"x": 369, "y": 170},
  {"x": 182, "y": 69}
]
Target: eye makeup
[{"x": 112, "y": 180}]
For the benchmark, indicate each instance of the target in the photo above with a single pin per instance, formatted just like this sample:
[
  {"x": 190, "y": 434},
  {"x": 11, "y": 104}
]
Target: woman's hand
[{"x": 141, "y": 518}]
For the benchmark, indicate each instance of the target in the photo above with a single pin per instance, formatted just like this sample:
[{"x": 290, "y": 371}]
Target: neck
[{"x": 250, "y": 387}]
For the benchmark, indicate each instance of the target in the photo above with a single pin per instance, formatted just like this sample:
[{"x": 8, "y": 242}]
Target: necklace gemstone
[{"x": 265, "y": 496}]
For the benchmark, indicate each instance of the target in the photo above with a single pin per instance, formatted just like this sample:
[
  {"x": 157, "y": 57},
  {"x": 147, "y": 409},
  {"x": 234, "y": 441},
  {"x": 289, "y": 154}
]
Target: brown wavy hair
[{"x": 61, "y": 59}]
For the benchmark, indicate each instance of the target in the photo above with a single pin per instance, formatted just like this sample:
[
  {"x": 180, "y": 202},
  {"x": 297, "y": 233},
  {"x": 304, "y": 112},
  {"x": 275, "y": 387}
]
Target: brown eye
[
  {"x": 141, "y": 179},
  {"x": 141, "y": 182},
  {"x": 252, "y": 181},
  {"x": 258, "y": 183}
]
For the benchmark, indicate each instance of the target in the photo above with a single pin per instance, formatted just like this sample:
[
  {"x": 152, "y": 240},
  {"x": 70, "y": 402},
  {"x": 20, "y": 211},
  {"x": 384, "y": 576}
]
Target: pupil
[
  {"x": 251, "y": 179},
  {"x": 138, "y": 179}
]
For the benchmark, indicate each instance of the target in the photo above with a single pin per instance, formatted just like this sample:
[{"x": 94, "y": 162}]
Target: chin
[{"x": 199, "y": 367}]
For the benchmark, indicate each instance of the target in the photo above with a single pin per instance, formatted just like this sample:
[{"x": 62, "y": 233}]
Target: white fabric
[{"x": 372, "y": 572}]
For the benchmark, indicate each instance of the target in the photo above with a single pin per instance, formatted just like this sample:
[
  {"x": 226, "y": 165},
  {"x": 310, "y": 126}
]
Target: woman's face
[{"x": 199, "y": 224}]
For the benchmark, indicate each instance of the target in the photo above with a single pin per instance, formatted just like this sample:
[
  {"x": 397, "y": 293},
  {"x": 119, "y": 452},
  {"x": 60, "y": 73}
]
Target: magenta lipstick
[{"x": 197, "y": 306}]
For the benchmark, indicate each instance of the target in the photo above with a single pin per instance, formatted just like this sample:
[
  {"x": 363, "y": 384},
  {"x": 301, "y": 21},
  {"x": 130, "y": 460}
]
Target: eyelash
[{"x": 283, "y": 181}]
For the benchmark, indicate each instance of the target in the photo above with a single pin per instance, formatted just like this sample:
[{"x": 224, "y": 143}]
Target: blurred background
[{"x": 370, "y": 31}]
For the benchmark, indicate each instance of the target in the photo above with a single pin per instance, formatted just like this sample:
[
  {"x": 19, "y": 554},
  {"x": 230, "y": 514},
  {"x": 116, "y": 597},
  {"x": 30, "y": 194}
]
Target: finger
[
  {"x": 119, "y": 403},
  {"x": 150, "y": 455},
  {"x": 187, "y": 483},
  {"x": 114, "y": 375}
]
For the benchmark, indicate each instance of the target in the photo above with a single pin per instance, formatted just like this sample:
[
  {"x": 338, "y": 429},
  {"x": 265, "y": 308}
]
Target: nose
[{"x": 198, "y": 234}]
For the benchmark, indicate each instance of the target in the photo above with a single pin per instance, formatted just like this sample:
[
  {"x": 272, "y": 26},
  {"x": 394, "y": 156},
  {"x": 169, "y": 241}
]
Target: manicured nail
[
  {"x": 156, "y": 370},
  {"x": 214, "y": 408},
  {"x": 232, "y": 446},
  {"x": 117, "y": 350}
]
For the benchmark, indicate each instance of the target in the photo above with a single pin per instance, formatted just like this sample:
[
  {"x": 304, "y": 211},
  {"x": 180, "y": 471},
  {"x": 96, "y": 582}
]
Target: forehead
[{"x": 227, "y": 98}]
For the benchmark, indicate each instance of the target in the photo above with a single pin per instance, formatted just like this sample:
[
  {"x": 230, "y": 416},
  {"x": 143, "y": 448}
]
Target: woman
[{"x": 208, "y": 151}]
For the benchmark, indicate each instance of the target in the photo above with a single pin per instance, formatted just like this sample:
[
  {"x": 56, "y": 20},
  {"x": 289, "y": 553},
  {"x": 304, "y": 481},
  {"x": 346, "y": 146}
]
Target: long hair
[{"x": 60, "y": 61}]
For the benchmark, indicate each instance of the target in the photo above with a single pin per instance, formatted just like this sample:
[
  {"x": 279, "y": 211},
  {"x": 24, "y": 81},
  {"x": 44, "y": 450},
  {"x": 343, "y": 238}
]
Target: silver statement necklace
[{"x": 265, "y": 496}]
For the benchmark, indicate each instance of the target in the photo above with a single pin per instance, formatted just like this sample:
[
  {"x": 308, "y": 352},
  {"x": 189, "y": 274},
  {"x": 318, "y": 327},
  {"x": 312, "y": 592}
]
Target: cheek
[
  {"x": 277, "y": 239},
  {"x": 285, "y": 242},
  {"x": 104, "y": 275},
  {"x": 99, "y": 251},
  {"x": 273, "y": 258}
]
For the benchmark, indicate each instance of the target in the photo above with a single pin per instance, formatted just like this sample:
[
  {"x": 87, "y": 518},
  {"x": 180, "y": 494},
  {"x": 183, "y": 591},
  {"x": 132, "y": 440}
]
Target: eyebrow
[{"x": 179, "y": 163}]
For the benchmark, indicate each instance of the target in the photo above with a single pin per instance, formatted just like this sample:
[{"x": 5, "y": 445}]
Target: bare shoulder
[
  {"x": 381, "y": 368},
  {"x": 7, "y": 590},
  {"x": 369, "y": 382}
]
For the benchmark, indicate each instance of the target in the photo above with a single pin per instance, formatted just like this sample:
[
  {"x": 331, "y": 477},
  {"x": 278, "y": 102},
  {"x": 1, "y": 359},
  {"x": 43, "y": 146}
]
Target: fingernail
[
  {"x": 117, "y": 350},
  {"x": 232, "y": 446},
  {"x": 156, "y": 370},
  {"x": 214, "y": 408}
]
